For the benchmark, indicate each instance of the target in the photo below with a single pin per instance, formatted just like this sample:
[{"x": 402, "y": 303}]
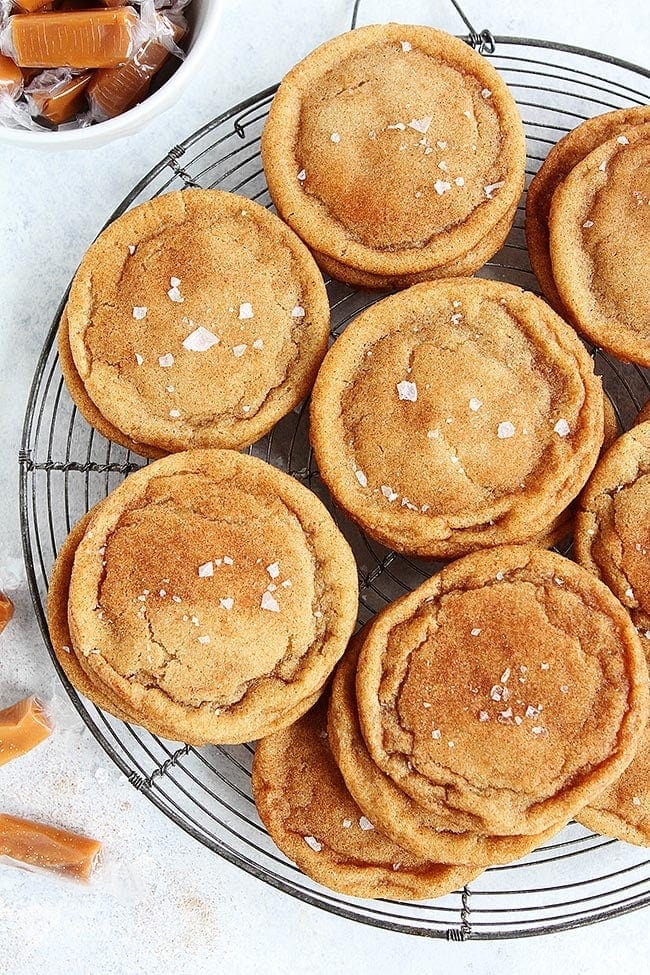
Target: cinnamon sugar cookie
[
  {"x": 449, "y": 836},
  {"x": 393, "y": 151},
  {"x": 566, "y": 154},
  {"x": 457, "y": 414},
  {"x": 66, "y": 653},
  {"x": 212, "y": 595},
  {"x": 303, "y": 802},
  {"x": 612, "y": 534},
  {"x": 197, "y": 319},
  {"x": 511, "y": 686},
  {"x": 600, "y": 245}
]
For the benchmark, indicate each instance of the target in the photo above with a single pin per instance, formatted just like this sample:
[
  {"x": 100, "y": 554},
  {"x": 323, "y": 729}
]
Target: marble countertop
[{"x": 164, "y": 903}]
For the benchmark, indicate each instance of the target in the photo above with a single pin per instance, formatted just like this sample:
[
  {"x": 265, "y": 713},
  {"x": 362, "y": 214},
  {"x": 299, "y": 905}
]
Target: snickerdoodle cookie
[
  {"x": 66, "y": 654},
  {"x": 612, "y": 540},
  {"x": 566, "y": 154},
  {"x": 612, "y": 530},
  {"x": 197, "y": 319},
  {"x": 211, "y": 594},
  {"x": 394, "y": 151},
  {"x": 600, "y": 245},
  {"x": 303, "y": 802},
  {"x": 457, "y": 414},
  {"x": 512, "y": 686},
  {"x": 440, "y": 834}
]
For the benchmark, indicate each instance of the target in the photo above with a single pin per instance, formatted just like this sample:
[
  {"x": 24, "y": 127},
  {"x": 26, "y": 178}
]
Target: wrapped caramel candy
[
  {"x": 23, "y": 726},
  {"x": 85, "y": 39},
  {"x": 47, "y": 847},
  {"x": 57, "y": 95},
  {"x": 115, "y": 90},
  {"x": 6, "y": 610}
]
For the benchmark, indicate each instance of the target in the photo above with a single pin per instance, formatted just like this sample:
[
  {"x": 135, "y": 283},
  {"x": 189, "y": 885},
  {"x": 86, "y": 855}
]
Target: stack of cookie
[
  {"x": 207, "y": 599},
  {"x": 587, "y": 230},
  {"x": 612, "y": 540},
  {"x": 469, "y": 722},
  {"x": 397, "y": 154}
]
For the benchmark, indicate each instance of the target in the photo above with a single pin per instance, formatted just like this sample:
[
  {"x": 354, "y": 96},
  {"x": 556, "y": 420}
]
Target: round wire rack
[{"x": 66, "y": 467}]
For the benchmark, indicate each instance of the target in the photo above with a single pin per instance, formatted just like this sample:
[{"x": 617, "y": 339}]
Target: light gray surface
[{"x": 163, "y": 903}]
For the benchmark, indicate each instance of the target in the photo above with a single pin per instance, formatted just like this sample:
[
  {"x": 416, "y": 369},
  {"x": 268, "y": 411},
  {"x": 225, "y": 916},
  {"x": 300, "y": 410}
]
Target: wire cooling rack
[{"x": 65, "y": 467}]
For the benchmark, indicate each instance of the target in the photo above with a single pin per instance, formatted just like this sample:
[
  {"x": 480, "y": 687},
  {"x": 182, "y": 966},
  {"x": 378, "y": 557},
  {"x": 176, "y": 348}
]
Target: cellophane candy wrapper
[
  {"x": 75, "y": 96},
  {"x": 15, "y": 114},
  {"x": 115, "y": 90}
]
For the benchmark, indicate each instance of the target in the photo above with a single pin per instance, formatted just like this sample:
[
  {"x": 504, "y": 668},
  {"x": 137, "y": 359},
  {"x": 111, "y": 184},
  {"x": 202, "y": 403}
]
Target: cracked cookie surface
[
  {"x": 512, "y": 686},
  {"x": 393, "y": 150},
  {"x": 457, "y": 414},
  {"x": 566, "y": 154},
  {"x": 303, "y": 802},
  {"x": 211, "y": 594},
  {"x": 197, "y": 319},
  {"x": 600, "y": 245},
  {"x": 440, "y": 834}
]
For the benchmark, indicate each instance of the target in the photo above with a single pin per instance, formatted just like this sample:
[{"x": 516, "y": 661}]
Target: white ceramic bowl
[{"x": 203, "y": 17}]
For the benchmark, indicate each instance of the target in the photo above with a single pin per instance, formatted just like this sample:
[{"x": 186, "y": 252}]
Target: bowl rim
[{"x": 136, "y": 118}]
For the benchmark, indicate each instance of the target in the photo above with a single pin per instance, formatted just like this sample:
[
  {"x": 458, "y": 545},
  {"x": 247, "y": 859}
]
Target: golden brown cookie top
[
  {"x": 393, "y": 148},
  {"x": 566, "y": 154},
  {"x": 600, "y": 245},
  {"x": 197, "y": 319},
  {"x": 439, "y": 833},
  {"x": 303, "y": 801},
  {"x": 612, "y": 536},
  {"x": 213, "y": 593},
  {"x": 456, "y": 414},
  {"x": 512, "y": 682}
]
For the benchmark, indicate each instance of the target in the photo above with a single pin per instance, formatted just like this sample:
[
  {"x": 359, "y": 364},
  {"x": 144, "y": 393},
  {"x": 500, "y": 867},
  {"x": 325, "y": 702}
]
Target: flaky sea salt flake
[
  {"x": 270, "y": 603},
  {"x": 562, "y": 428},
  {"x": 205, "y": 570},
  {"x": 407, "y": 391},
  {"x": 200, "y": 340},
  {"x": 312, "y": 842},
  {"x": 421, "y": 124},
  {"x": 166, "y": 361},
  {"x": 489, "y": 190},
  {"x": 505, "y": 430},
  {"x": 139, "y": 312},
  {"x": 388, "y": 493}
]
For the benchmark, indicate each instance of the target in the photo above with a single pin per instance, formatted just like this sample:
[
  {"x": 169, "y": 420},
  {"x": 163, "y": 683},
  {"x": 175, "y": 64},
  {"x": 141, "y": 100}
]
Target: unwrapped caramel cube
[
  {"x": 23, "y": 726},
  {"x": 48, "y": 847}
]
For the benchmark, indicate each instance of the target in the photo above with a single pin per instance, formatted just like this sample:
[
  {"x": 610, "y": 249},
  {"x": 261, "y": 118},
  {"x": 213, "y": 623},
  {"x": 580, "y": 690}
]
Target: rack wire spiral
[{"x": 65, "y": 467}]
